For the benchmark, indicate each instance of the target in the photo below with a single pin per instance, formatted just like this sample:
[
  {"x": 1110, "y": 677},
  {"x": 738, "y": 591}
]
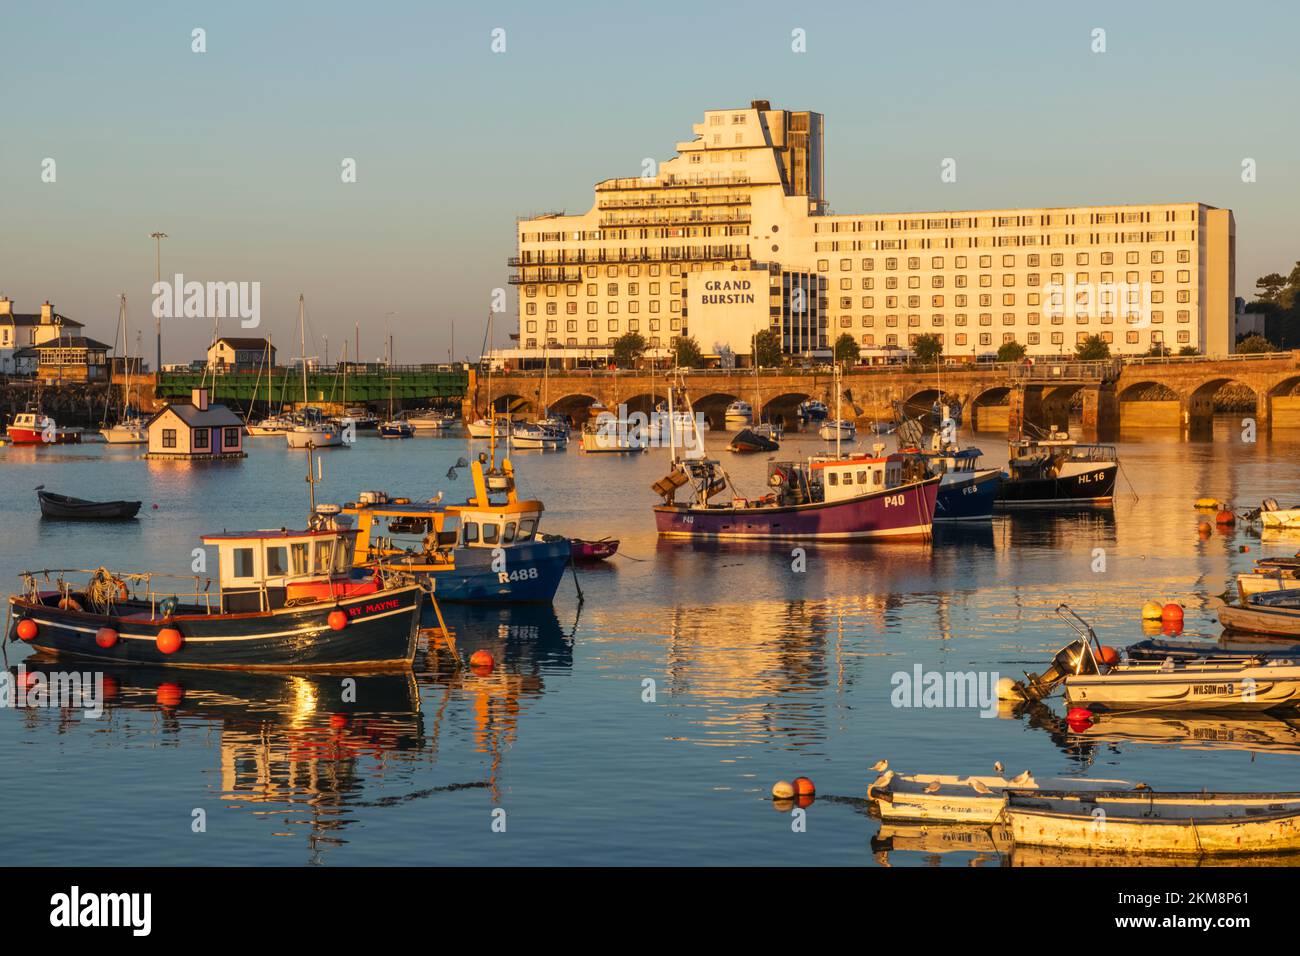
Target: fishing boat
[
  {"x": 1148, "y": 821},
  {"x": 488, "y": 549},
  {"x": 951, "y": 798},
  {"x": 739, "y": 414},
  {"x": 748, "y": 441},
  {"x": 312, "y": 430},
  {"x": 35, "y": 428},
  {"x": 1056, "y": 471},
  {"x": 487, "y": 428},
  {"x": 67, "y": 508},
  {"x": 1230, "y": 683},
  {"x": 285, "y": 599},
  {"x": 592, "y": 551},
  {"x": 824, "y": 498},
  {"x": 840, "y": 429},
  {"x": 1269, "y": 612},
  {"x": 966, "y": 491}
]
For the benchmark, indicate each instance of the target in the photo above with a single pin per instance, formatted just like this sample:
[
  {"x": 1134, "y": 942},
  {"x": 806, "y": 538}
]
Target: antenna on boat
[{"x": 313, "y": 479}]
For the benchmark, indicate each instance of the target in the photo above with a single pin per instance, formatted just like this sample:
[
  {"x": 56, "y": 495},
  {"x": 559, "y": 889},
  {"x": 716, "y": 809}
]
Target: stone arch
[
  {"x": 1221, "y": 393},
  {"x": 576, "y": 407},
  {"x": 512, "y": 404},
  {"x": 990, "y": 409},
  {"x": 645, "y": 402},
  {"x": 1284, "y": 402},
  {"x": 713, "y": 407},
  {"x": 784, "y": 408},
  {"x": 1149, "y": 404}
]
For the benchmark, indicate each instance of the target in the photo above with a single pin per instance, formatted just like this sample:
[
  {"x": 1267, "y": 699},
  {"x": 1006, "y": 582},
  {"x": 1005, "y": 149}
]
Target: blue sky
[{"x": 236, "y": 152}]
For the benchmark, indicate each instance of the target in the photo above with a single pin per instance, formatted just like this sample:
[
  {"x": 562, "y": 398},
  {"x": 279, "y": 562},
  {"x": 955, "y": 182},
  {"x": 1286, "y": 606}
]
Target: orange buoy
[
  {"x": 1171, "y": 628},
  {"x": 106, "y": 637},
  {"x": 27, "y": 629},
  {"x": 1171, "y": 612},
  {"x": 1243, "y": 549},
  {"x": 169, "y": 640},
  {"x": 482, "y": 659},
  {"x": 169, "y": 694},
  {"x": 1225, "y": 517},
  {"x": 1204, "y": 529},
  {"x": 339, "y": 721},
  {"x": 337, "y": 620},
  {"x": 804, "y": 787},
  {"x": 782, "y": 790},
  {"x": 1108, "y": 655}
]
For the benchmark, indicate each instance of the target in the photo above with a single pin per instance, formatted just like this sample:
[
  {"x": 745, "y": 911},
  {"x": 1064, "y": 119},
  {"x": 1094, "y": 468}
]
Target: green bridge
[{"x": 362, "y": 383}]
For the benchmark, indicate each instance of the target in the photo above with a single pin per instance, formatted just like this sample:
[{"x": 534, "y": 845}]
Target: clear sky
[{"x": 236, "y": 153}]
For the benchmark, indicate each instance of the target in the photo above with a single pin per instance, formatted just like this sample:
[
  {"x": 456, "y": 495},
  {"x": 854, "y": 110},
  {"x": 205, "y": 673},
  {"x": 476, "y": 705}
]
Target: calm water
[{"x": 760, "y": 674}]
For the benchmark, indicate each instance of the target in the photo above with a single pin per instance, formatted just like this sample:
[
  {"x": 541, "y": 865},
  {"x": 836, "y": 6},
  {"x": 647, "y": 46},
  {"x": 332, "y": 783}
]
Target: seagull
[
  {"x": 978, "y": 786},
  {"x": 997, "y": 765},
  {"x": 881, "y": 766},
  {"x": 1024, "y": 777},
  {"x": 933, "y": 787},
  {"x": 436, "y": 499}
]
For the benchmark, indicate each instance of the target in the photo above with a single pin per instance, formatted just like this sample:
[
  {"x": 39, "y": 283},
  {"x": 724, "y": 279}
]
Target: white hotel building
[{"x": 733, "y": 235}]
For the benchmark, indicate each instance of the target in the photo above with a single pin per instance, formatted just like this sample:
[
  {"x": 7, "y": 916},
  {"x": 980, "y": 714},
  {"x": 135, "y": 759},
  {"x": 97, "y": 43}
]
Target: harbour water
[{"x": 760, "y": 672}]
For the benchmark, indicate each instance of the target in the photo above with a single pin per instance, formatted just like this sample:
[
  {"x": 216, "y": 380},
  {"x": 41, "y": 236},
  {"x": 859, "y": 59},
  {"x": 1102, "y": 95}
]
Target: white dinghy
[{"x": 950, "y": 798}]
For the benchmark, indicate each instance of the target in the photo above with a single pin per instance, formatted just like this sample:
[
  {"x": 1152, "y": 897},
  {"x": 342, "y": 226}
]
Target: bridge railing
[{"x": 1192, "y": 359}]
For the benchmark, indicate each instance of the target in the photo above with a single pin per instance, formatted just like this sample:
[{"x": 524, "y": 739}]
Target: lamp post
[{"x": 158, "y": 237}]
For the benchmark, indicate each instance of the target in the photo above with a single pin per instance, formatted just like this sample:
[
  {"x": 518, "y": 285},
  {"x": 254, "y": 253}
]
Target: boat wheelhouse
[
  {"x": 1056, "y": 471},
  {"x": 285, "y": 600},
  {"x": 488, "y": 549},
  {"x": 967, "y": 492}
]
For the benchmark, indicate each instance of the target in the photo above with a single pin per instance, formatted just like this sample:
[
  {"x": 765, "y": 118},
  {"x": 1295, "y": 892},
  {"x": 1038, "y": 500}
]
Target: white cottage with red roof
[{"x": 198, "y": 430}]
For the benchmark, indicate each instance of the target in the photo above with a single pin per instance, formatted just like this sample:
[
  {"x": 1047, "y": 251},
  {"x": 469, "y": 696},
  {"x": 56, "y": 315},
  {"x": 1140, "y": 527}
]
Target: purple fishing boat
[{"x": 590, "y": 551}]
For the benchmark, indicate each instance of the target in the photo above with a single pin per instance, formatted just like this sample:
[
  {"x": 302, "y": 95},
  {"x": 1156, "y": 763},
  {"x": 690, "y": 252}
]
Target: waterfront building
[
  {"x": 197, "y": 430},
  {"x": 734, "y": 234},
  {"x": 24, "y": 330},
  {"x": 72, "y": 358},
  {"x": 236, "y": 354}
]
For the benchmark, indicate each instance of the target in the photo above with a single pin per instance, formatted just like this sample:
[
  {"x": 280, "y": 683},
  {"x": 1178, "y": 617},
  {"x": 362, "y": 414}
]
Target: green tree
[
  {"x": 1189, "y": 350},
  {"x": 847, "y": 349},
  {"x": 628, "y": 350},
  {"x": 1011, "y": 352},
  {"x": 767, "y": 348},
  {"x": 1157, "y": 350},
  {"x": 927, "y": 349},
  {"x": 686, "y": 352},
  {"x": 1270, "y": 287},
  {"x": 1254, "y": 344},
  {"x": 1092, "y": 349}
]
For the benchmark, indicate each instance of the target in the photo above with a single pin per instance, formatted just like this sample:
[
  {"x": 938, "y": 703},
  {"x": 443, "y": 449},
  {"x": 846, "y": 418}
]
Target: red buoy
[
  {"x": 169, "y": 694},
  {"x": 1171, "y": 612},
  {"x": 337, "y": 620},
  {"x": 169, "y": 640},
  {"x": 106, "y": 637},
  {"x": 1108, "y": 655},
  {"x": 1225, "y": 517},
  {"x": 482, "y": 660},
  {"x": 804, "y": 787},
  {"x": 27, "y": 629},
  {"x": 339, "y": 721},
  {"x": 1171, "y": 628},
  {"x": 1079, "y": 719}
]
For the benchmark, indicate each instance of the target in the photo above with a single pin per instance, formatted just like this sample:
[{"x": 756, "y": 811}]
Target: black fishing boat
[
  {"x": 285, "y": 599},
  {"x": 1058, "y": 472},
  {"x": 749, "y": 441},
  {"x": 65, "y": 508}
]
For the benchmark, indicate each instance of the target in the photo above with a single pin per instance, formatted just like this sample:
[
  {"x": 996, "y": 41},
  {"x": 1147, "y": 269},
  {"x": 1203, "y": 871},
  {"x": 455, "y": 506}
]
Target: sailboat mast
[{"x": 302, "y": 341}]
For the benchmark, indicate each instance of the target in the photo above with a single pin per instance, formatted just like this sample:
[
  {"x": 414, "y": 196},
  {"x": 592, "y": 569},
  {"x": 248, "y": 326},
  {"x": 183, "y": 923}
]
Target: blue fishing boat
[
  {"x": 966, "y": 491},
  {"x": 487, "y": 550}
]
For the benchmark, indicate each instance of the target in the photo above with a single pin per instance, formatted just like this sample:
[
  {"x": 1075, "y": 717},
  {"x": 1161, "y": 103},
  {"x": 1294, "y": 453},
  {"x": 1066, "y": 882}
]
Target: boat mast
[
  {"x": 302, "y": 341},
  {"x": 839, "y": 422}
]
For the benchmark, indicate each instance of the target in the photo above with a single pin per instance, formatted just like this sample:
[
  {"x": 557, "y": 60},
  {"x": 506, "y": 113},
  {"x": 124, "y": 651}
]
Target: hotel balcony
[
  {"x": 548, "y": 275},
  {"x": 662, "y": 202},
  {"x": 672, "y": 182},
  {"x": 598, "y": 257},
  {"x": 739, "y": 216}
]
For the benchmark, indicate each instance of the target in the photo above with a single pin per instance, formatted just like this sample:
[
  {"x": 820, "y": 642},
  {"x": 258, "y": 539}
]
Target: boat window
[
  {"x": 277, "y": 561},
  {"x": 878, "y": 477},
  {"x": 862, "y": 477},
  {"x": 324, "y": 556},
  {"x": 341, "y": 559},
  {"x": 848, "y": 478},
  {"x": 471, "y": 532},
  {"x": 508, "y": 536},
  {"x": 241, "y": 563},
  {"x": 490, "y": 533},
  {"x": 832, "y": 478},
  {"x": 299, "y": 553},
  {"x": 526, "y": 528}
]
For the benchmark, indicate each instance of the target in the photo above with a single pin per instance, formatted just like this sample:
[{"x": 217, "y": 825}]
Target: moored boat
[
  {"x": 592, "y": 551},
  {"x": 966, "y": 491},
  {"x": 35, "y": 428},
  {"x": 1056, "y": 471},
  {"x": 488, "y": 428},
  {"x": 838, "y": 430},
  {"x": 129, "y": 431},
  {"x": 607, "y": 435},
  {"x": 951, "y": 798},
  {"x": 79, "y": 509},
  {"x": 749, "y": 441},
  {"x": 1144, "y": 821},
  {"x": 739, "y": 414},
  {"x": 395, "y": 428},
  {"x": 1268, "y": 612}
]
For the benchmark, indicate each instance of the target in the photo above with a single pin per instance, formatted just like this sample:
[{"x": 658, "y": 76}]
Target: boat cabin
[
  {"x": 267, "y": 570},
  {"x": 1031, "y": 457},
  {"x": 839, "y": 479},
  {"x": 495, "y": 517}
]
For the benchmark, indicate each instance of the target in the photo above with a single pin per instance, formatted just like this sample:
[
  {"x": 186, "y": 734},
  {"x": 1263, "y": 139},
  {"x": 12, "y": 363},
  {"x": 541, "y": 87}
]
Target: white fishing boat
[
  {"x": 483, "y": 428},
  {"x": 1146, "y": 821},
  {"x": 841, "y": 429},
  {"x": 739, "y": 415},
  {"x": 531, "y": 435},
  {"x": 1218, "y": 684},
  {"x": 310, "y": 432},
  {"x": 951, "y": 798}
]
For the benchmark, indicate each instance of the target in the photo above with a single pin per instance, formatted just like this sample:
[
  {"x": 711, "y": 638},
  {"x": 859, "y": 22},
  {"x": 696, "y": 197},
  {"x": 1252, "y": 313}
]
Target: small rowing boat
[
  {"x": 590, "y": 551},
  {"x": 1195, "y": 824},
  {"x": 950, "y": 798},
  {"x": 1269, "y": 612},
  {"x": 66, "y": 508}
]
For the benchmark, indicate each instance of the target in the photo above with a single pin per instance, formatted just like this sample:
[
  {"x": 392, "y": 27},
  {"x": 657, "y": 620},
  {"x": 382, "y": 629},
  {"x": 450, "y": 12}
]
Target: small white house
[{"x": 195, "y": 431}]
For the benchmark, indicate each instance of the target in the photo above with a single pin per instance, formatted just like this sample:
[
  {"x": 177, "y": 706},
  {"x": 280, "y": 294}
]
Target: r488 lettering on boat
[{"x": 522, "y": 574}]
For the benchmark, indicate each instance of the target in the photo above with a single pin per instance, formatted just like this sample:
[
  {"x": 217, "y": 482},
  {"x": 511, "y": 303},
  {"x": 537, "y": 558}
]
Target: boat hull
[
  {"x": 314, "y": 438},
  {"x": 1243, "y": 687},
  {"x": 906, "y": 512},
  {"x": 125, "y": 435},
  {"x": 61, "y": 507},
  {"x": 32, "y": 436},
  {"x": 532, "y": 574},
  {"x": 381, "y": 632},
  {"x": 1260, "y": 620},
  {"x": 967, "y": 496},
  {"x": 1092, "y": 488}
]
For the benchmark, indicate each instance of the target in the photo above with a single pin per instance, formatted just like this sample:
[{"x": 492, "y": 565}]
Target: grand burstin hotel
[{"x": 733, "y": 235}]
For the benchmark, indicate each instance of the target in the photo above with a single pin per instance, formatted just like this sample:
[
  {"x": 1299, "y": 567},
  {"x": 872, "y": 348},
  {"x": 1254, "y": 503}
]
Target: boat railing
[{"x": 106, "y": 587}]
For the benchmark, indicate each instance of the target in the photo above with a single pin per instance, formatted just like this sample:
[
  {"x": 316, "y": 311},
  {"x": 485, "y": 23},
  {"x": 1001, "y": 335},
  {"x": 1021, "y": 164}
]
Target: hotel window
[
  {"x": 846, "y": 265},
  {"x": 959, "y": 318},
  {"x": 1184, "y": 337},
  {"x": 1081, "y": 318},
  {"x": 550, "y": 290},
  {"x": 1157, "y": 256},
  {"x": 986, "y": 338},
  {"x": 1157, "y": 315},
  {"x": 959, "y": 262},
  {"x": 570, "y": 341},
  {"x": 654, "y": 325},
  {"x": 937, "y": 319},
  {"x": 1131, "y": 338},
  {"x": 593, "y": 340},
  {"x": 1108, "y": 337},
  {"x": 986, "y": 300},
  {"x": 936, "y": 262},
  {"x": 986, "y": 281},
  {"x": 959, "y": 281},
  {"x": 611, "y": 272},
  {"x": 550, "y": 325},
  {"x": 1008, "y": 318},
  {"x": 1081, "y": 278},
  {"x": 532, "y": 343},
  {"x": 823, "y": 265},
  {"x": 868, "y": 265},
  {"x": 1107, "y": 278},
  {"x": 634, "y": 325},
  {"x": 1157, "y": 275},
  {"x": 675, "y": 305},
  {"x": 914, "y": 262},
  {"x": 654, "y": 305},
  {"x": 891, "y": 263},
  {"x": 633, "y": 288},
  {"x": 1107, "y": 318},
  {"x": 611, "y": 307},
  {"x": 868, "y": 339},
  {"x": 1008, "y": 280},
  {"x": 960, "y": 338},
  {"x": 634, "y": 306},
  {"x": 936, "y": 282},
  {"x": 1008, "y": 262},
  {"x": 591, "y": 308},
  {"x": 674, "y": 288},
  {"x": 959, "y": 301},
  {"x": 1131, "y": 278},
  {"x": 1184, "y": 315},
  {"x": 1008, "y": 298},
  {"x": 891, "y": 320},
  {"x": 570, "y": 290},
  {"x": 531, "y": 291},
  {"x": 891, "y": 340},
  {"x": 550, "y": 308},
  {"x": 846, "y": 302},
  {"x": 986, "y": 262},
  {"x": 914, "y": 320},
  {"x": 675, "y": 324},
  {"x": 986, "y": 318},
  {"x": 1058, "y": 278},
  {"x": 1157, "y": 295},
  {"x": 674, "y": 269},
  {"x": 571, "y": 308},
  {"x": 1033, "y": 338},
  {"x": 846, "y": 321},
  {"x": 1131, "y": 258},
  {"x": 868, "y": 321},
  {"x": 868, "y": 301},
  {"x": 611, "y": 288},
  {"x": 1184, "y": 275},
  {"x": 891, "y": 282},
  {"x": 846, "y": 283},
  {"x": 1183, "y": 295},
  {"x": 591, "y": 272},
  {"x": 530, "y": 308},
  {"x": 654, "y": 288},
  {"x": 612, "y": 325},
  {"x": 1031, "y": 279},
  {"x": 1058, "y": 259},
  {"x": 1081, "y": 259},
  {"x": 913, "y": 301},
  {"x": 1107, "y": 258},
  {"x": 936, "y": 301},
  {"x": 1184, "y": 255},
  {"x": 1032, "y": 260},
  {"x": 1058, "y": 338},
  {"x": 571, "y": 325}
]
